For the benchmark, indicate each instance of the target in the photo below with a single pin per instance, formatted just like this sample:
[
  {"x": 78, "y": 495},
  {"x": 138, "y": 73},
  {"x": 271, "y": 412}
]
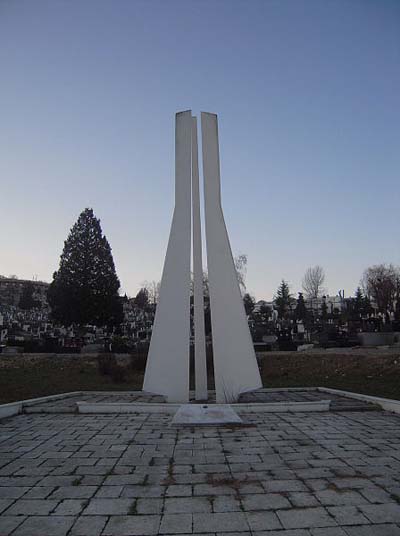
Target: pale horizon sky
[{"x": 308, "y": 99}]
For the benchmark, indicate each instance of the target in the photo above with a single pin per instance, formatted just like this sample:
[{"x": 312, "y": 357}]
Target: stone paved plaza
[{"x": 299, "y": 474}]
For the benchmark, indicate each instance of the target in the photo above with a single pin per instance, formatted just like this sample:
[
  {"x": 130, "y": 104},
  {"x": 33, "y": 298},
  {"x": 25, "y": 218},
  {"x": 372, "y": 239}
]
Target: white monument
[{"x": 235, "y": 365}]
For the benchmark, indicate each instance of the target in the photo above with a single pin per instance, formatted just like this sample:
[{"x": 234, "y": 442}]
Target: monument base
[{"x": 206, "y": 414}]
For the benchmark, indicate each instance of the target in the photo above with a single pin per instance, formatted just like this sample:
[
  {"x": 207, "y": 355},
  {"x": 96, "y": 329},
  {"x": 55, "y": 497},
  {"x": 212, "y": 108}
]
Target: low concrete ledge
[
  {"x": 34, "y": 401},
  {"x": 138, "y": 407},
  {"x": 11, "y": 409},
  {"x": 388, "y": 404},
  {"x": 280, "y": 389},
  {"x": 127, "y": 407},
  {"x": 15, "y": 408},
  {"x": 283, "y": 407}
]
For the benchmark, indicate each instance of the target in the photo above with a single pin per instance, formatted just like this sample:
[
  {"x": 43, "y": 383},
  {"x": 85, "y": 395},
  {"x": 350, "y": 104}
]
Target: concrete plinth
[{"x": 206, "y": 414}]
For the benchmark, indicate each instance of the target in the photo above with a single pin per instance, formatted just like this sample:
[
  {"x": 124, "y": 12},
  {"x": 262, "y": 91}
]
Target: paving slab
[
  {"x": 176, "y": 524},
  {"x": 382, "y": 513},
  {"x": 50, "y": 526},
  {"x": 89, "y": 525},
  {"x": 220, "y": 522},
  {"x": 348, "y": 515},
  {"x": 265, "y": 501},
  {"x": 9, "y": 523},
  {"x": 305, "y": 518},
  {"x": 132, "y": 526},
  {"x": 190, "y": 505},
  {"x": 32, "y": 507},
  {"x": 263, "y": 521},
  {"x": 108, "y": 507}
]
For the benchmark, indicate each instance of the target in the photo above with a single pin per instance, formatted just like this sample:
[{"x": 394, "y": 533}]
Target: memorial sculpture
[{"x": 235, "y": 365}]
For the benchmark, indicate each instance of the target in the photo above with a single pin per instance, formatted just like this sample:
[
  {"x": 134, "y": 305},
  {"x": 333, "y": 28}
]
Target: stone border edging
[
  {"x": 283, "y": 407},
  {"x": 15, "y": 408},
  {"x": 388, "y": 404},
  {"x": 11, "y": 409},
  {"x": 127, "y": 407}
]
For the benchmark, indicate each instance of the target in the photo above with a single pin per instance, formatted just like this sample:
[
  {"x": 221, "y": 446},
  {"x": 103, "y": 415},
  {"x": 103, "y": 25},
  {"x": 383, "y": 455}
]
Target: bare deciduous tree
[
  {"x": 241, "y": 271},
  {"x": 153, "y": 289},
  {"x": 313, "y": 282},
  {"x": 381, "y": 282}
]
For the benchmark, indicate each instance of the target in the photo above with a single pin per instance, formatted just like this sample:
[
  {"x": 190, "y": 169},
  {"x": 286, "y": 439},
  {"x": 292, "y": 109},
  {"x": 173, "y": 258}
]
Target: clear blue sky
[{"x": 308, "y": 99}]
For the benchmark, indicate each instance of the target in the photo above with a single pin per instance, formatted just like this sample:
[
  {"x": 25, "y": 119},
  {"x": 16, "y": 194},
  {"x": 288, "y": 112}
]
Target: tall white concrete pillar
[
  {"x": 167, "y": 369},
  {"x": 201, "y": 392},
  {"x": 235, "y": 365}
]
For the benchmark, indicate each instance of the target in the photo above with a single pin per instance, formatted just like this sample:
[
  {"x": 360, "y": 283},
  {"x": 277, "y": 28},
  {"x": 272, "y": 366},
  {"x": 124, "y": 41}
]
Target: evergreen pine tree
[
  {"x": 84, "y": 290},
  {"x": 358, "y": 302},
  {"x": 300, "y": 311},
  {"x": 283, "y": 299}
]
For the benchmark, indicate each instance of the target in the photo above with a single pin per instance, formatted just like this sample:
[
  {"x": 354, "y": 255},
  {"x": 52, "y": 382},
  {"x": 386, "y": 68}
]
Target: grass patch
[
  {"x": 370, "y": 371},
  {"x": 22, "y": 377}
]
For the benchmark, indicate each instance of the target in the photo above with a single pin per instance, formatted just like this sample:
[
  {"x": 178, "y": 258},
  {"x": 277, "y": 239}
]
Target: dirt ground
[{"x": 374, "y": 371}]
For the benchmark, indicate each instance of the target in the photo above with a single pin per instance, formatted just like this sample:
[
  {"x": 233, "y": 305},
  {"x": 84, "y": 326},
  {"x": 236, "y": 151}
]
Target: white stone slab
[{"x": 206, "y": 414}]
